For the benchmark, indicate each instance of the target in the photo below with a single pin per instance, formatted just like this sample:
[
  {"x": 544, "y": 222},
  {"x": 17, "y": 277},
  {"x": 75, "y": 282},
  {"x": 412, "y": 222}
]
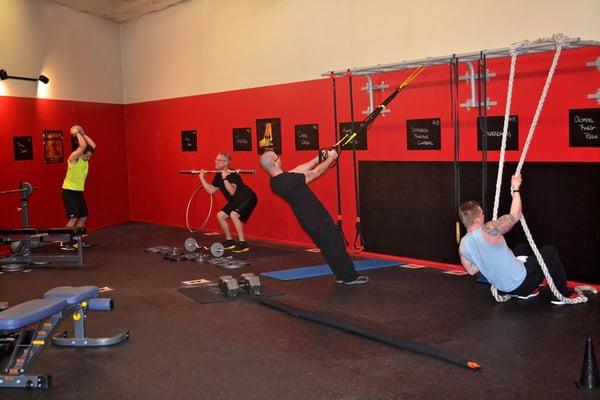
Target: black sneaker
[
  {"x": 229, "y": 244},
  {"x": 241, "y": 248},
  {"x": 359, "y": 280}
]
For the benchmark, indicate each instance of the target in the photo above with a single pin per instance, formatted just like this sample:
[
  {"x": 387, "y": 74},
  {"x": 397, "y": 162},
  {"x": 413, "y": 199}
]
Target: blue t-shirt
[{"x": 495, "y": 261}]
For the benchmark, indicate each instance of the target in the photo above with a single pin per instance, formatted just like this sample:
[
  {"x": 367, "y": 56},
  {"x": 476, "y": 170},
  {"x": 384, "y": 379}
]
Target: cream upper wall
[
  {"x": 81, "y": 54},
  {"x": 203, "y": 46}
]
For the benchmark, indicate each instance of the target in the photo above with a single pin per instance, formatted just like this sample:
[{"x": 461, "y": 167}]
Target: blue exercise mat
[{"x": 323, "y": 270}]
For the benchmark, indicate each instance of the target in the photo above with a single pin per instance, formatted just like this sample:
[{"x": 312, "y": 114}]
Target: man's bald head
[{"x": 267, "y": 161}]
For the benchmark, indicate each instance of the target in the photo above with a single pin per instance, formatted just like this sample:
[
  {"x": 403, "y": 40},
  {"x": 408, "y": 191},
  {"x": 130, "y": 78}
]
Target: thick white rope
[
  {"x": 559, "y": 41},
  {"x": 511, "y": 78},
  {"x": 187, "y": 211}
]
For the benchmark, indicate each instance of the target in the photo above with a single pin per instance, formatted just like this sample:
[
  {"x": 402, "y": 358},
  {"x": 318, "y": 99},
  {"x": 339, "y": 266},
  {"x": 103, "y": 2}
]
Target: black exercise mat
[{"x": 207, "y": 294}]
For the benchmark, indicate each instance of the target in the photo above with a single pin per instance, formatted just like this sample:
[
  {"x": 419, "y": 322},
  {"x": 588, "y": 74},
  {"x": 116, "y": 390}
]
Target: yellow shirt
[{"x": 76, "y": 174}]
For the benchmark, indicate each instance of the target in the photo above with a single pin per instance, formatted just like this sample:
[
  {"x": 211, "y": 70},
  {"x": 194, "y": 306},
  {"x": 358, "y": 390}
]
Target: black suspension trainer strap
[
  {"x": 482, "y": 113},
  {"x": 454, "y": 107},
  {"x": 337, "y": 165},
  {"x": 358, "y": 238}
]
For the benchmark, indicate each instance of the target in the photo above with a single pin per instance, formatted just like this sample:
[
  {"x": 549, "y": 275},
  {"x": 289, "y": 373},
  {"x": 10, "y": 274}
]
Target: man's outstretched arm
[
  {"x": 320, "y": 169},
  {"x": 505, "y": 223},
  {"x": 303, "y": 168}
]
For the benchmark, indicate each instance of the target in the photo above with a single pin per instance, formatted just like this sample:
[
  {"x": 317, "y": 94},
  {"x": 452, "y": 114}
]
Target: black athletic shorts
[
  {"x": 243, "y": 207},
  {"x": 74, "y": 203}
]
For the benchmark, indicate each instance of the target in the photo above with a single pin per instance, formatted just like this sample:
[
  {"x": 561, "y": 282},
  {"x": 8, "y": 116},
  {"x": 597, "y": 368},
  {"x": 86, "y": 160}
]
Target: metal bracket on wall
[
  {"x": 369, "y": 87},
  {"x": 471, "y": 76},
  {"x": 595, "y": 96},
  {"x": 596, "y": 64}
]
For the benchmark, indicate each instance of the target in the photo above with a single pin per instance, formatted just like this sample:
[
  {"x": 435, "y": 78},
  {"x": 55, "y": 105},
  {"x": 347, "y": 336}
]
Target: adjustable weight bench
[
  {"x": 23, "y": 252},
  {"x": 45, "y": 315}
]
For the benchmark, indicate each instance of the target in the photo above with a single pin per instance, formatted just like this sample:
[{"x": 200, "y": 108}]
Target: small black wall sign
[
  {"x": 423, "y": 134},
  {"x": 307, "y": 137},
  {"x": 360, "y": 139},
  {"x": 188, "y": 141},
  {"x": 23, "y": 148},
  {"x": 584, "y": 127},
  {"x": 495, "y": 125},
  {"x": 242, "y": 139}
]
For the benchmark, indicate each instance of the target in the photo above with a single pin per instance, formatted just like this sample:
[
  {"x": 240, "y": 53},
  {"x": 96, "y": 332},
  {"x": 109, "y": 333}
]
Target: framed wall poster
[
  {"x": 23, "y": 148},
  {"x": 242, "y": 139},
  {"x": 189, "y": 141},
  {"x": 53, "y": 146},
  {"x": 268, "y": 135}
]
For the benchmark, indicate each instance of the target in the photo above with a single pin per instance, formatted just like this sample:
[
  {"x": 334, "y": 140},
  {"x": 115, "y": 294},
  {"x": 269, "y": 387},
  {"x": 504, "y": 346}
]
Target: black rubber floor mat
[{"x": 207, "y": 294}]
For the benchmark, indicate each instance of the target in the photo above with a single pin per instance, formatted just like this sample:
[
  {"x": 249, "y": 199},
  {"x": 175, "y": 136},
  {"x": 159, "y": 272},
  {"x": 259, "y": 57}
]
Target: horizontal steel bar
[{"x": 533, "y": 48}]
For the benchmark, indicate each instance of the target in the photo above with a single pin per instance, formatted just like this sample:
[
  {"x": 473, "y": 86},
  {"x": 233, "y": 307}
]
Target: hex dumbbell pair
[{"x": 231, "y": 287}]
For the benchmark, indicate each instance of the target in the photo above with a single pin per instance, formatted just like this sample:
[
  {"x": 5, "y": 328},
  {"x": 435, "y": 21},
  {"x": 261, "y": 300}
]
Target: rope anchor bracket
[
  {"x": 471, "y": 76},
  {"x": 369, "y": 88},
  {"x": 595, "y": 96}
]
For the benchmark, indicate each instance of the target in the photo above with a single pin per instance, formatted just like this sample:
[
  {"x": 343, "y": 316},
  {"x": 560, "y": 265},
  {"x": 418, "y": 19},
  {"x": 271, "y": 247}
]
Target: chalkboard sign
[
  {"x": 23, "y": 148},
  {"x": 495, "y": 125},
  {"x": 188, "y": 141},
  {"x": 584, "y": 127},
  {"x": 423, "y": 134},
  {"x": 307, "y": 137},
  {"x": 242, "y": 139},
  {"x": 360, "y": 140}
]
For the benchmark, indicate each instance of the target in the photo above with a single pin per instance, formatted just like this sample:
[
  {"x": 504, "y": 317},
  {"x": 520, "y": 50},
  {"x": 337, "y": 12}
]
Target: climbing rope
[{"x": 519, "y": 48}]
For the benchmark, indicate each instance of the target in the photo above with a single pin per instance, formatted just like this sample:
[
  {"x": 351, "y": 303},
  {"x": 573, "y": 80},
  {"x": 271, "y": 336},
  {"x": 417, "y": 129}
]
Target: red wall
[
  {"x": 159, "y": 194},
  {"x": 107, "y": 191},
  {"x": 134, "y": 175}
]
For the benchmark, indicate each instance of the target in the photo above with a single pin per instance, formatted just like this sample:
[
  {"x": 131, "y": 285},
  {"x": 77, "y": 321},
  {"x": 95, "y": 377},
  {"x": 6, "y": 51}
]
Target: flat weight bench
[
  {"x": 23, "y": 253},
  {"x": 46, "y": 315}
]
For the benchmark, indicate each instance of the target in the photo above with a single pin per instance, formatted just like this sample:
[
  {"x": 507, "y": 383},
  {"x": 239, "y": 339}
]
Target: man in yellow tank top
[{"x": 74, "y": 183}]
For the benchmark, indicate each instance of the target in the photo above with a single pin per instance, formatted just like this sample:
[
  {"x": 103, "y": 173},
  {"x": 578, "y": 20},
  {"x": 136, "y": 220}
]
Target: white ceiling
[{"x": 118, "y": 10}]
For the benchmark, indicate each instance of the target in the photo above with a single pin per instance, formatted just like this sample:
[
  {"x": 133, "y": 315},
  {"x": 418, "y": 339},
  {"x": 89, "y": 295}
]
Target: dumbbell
[
  {"x": 231, "y": 287},
  {"x": 216, "y": 249},
  {"x": 250, "y": 282}
]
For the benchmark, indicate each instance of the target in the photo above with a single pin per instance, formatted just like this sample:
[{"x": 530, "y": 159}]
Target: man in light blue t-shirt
[{"x": 484, "y": 249}]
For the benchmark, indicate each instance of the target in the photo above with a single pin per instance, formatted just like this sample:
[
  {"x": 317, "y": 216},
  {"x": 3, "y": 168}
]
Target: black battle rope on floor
[{"x": 396, "y": 342}]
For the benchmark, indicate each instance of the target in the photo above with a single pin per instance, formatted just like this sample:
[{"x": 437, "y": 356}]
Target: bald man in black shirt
[{"x": 293, "y": 187}]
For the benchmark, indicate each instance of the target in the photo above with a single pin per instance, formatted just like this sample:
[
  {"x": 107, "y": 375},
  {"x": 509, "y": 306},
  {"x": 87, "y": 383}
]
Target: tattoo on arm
[{"x": 500, "y": 226}]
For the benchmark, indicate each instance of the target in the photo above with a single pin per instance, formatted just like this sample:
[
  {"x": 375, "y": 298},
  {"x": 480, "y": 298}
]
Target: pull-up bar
[{"x": 532, "y": 48}]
